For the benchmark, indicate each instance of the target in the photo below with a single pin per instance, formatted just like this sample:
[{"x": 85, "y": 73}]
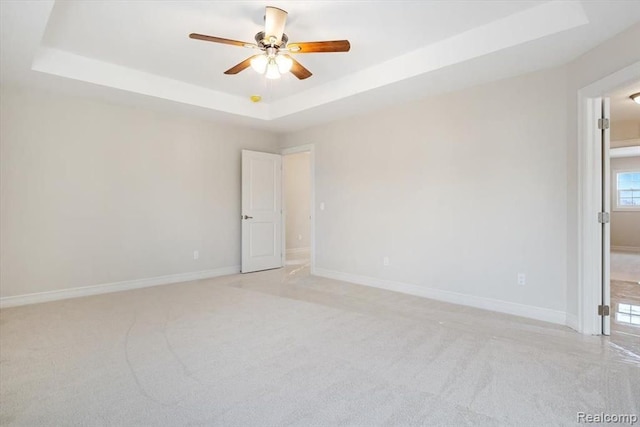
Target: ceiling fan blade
[
  {"x": 220, "y": 40},
  {"x": 318, "y": 47},
  {"x": 274, "y": 20},
  {"x": 241, "y": 66},
  {"x": 298, "y": 70}
]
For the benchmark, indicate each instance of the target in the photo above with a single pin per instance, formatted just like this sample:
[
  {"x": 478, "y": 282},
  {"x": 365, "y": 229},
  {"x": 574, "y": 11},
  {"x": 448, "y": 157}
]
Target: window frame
[{"x": 615, "y": 193}]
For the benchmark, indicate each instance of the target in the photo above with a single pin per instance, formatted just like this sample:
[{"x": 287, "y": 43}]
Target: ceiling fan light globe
[
  {"x": 272, "y": 71},
  {"x": 259, "y": 63},
  {"x": 284, "y": 63}
]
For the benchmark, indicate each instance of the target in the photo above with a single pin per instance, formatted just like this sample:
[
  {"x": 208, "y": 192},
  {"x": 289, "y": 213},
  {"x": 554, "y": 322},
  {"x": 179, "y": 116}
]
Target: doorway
[
  {"x": 297, "y": 189},
  {"x": 624, "y": 197},
  {"x": 593, "y": 255}
]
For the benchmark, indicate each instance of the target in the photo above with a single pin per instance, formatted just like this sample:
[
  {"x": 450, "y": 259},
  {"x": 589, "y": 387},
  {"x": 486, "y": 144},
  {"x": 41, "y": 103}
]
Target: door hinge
[
  {"x": 603, "y": 124},
  {"x": 603, "y": 310},
  {"x": 603, "y": 217}
]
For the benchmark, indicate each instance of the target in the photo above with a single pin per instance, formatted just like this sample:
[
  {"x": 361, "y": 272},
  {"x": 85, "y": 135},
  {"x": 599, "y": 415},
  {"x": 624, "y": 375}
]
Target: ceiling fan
[{"x": 275, "y": 48}]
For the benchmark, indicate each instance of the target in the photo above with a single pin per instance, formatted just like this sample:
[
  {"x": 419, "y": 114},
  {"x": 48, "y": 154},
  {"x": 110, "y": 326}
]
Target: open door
[
  {"x": 261, "y": 211},
  {"x": 605, "y": 214}
]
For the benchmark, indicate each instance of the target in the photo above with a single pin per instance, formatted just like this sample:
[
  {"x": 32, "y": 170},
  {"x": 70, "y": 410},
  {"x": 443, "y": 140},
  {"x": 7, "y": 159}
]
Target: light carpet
[{"x": 283, "y": 348}]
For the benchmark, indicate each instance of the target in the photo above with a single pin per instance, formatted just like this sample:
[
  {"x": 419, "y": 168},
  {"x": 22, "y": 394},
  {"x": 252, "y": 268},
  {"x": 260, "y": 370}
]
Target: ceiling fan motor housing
[{"x": 262, "y": 42}]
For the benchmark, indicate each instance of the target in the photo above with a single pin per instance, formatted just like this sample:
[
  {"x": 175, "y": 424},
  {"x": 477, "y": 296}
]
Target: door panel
[
  {"x": 262, "y": 236},
  {"x": 262, "y": 179},
  {"x": 261, "y": 211}
]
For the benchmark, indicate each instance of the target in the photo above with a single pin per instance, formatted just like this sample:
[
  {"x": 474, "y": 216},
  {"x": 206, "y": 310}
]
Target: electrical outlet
[
  {"x": 522, "y": 279},
  {"x": 299, "y": 236},
  {"x": 385, "y": 261},
  {"x": 196, "y": 254}
]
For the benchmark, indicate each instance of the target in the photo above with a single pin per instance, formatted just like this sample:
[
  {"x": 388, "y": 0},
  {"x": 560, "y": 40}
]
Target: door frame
[
  {"x": 590, "y": 199},
  {"x": 307, "y": 148}
]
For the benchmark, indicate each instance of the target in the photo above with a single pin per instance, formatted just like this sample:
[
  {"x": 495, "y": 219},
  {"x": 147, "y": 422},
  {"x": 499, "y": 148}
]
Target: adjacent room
[
  {"x": 625, "y": 216},
  {"x": 296, "y": 175},
  {"x": 398, "y": 213}
]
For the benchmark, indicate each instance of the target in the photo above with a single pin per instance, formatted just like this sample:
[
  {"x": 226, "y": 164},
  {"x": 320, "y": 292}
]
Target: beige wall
[
  {"x": 625, "y": 133},
  {"x": 297, "y": 194},
  {"x": 95, "y": 193},
  {"x": 462, "y": 191},
  {"x": 625, "y": 226}
]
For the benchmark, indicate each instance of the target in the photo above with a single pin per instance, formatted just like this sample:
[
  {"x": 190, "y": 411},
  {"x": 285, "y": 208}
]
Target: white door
[
  {"x": 261, "y": 211},
  {"x": 606, "y": 209}
]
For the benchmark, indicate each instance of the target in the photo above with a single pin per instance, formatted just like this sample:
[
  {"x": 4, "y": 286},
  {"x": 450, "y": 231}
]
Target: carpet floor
[{"x": 281, "y": 348}]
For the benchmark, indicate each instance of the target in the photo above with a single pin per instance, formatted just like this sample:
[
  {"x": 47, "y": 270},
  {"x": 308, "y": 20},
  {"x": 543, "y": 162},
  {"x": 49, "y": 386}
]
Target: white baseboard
[
  {"x": 625, "y": 248},
  {"x": 538, "y": 313},
  {"x": 572, "y": 322},
  {"x": 297, "y": 250},
  {"x": 114, "y": 287}
]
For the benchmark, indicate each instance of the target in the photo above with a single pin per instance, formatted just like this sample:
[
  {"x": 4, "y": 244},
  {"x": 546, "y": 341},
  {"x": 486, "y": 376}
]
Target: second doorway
[{"x": 297, "y": 207}]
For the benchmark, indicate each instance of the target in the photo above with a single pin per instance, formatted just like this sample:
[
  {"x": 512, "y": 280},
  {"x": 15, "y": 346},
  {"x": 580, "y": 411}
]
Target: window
[
  {"x": 628, "y": 190},
  {"x": 628, "y": 313}
]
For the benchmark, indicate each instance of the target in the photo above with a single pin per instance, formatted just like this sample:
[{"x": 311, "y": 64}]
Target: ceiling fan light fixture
[
  {"x": 274, "y": 59},
  {"x": 284, "y": 63},
  {"x": 272, "y": 70},
  {"x": 636, "y": 97},
  {"x": 259, "y": 63}
]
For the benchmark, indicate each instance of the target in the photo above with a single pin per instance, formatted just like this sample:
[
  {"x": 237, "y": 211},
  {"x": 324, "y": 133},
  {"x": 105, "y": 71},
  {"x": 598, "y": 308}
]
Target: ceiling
[
  {"x": 622, "y": 106},
  {"x": 138, "y": 52}
]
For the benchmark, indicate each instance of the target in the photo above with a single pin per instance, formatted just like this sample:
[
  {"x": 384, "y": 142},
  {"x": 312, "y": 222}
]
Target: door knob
[{"x": 246, "y": 217}]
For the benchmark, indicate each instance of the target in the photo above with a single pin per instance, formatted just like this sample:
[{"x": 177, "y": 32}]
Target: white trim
[
  {"x": 573, "y": 322},
  {"x": 297, "y": 149},
  {"x": 629, "y": 151},
  {"x": 106, "y": 288},
  {"x": 588, "y": 232},
  {"x": 310, "y": 148},
  {"x": 529, "y": 311},
  {"x": 625, "y": 249},
  {"x": 589, "y": 202},
  {"x": 298, "y": 250}
]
